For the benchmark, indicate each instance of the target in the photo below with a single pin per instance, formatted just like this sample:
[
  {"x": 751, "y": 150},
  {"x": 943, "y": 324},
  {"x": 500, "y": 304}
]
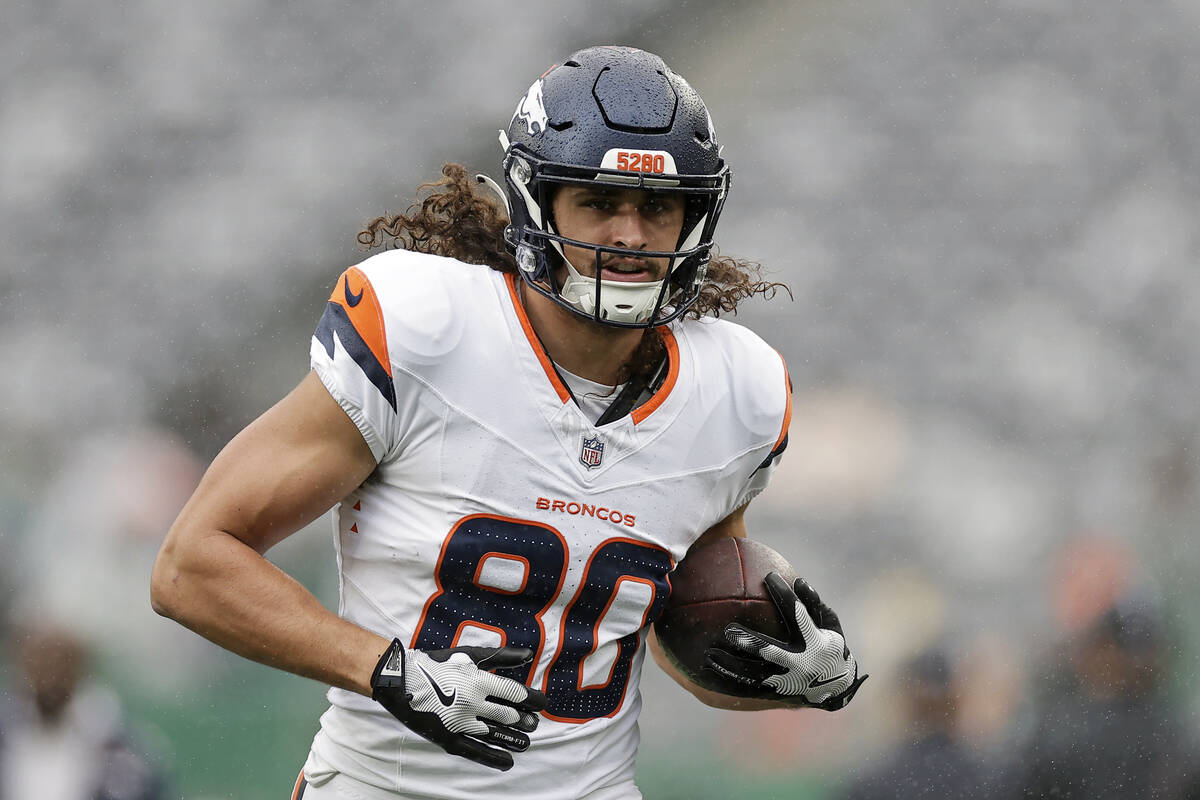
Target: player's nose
[{"x": 627, "y": 228}]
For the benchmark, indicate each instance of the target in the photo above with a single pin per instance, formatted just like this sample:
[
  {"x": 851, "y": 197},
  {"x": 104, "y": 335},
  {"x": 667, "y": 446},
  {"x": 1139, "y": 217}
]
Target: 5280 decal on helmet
[{"x": 656, "y": 161}]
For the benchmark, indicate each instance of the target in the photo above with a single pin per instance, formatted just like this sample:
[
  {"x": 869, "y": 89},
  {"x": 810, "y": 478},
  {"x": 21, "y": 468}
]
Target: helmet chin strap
[
  {"x": 620, "y": 301},
  {"x": 495, "y": 187}
]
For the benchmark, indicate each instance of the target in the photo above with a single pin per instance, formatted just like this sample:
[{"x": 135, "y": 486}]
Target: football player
[{"x": 524, "y": 418}]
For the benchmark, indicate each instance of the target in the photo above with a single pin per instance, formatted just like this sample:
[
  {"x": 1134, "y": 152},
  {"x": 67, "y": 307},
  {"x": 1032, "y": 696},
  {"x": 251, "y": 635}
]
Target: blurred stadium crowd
[{"x": 986, "y": 216}]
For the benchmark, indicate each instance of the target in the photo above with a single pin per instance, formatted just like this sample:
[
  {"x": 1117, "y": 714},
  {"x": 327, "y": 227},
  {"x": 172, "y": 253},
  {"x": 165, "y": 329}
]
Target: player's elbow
[
  {"x": 161, "y": 578},
  {"x": 165, "y": 580}
]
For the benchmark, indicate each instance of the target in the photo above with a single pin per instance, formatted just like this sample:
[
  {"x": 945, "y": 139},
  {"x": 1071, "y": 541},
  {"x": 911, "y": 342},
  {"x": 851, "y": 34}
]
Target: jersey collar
[{"x": 639, "y": 414}]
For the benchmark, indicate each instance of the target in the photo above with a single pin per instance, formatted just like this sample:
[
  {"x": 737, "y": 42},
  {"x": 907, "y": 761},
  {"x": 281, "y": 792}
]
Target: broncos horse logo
[{"x": 532, "y": 110}]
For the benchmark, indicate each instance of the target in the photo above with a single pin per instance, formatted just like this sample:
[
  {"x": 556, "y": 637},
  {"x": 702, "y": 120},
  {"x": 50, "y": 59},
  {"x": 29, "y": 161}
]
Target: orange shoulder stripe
[{"x": 354, "y": 293}]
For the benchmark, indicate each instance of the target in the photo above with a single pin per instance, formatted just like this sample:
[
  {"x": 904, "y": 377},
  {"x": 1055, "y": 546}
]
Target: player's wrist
[
  {"x": 360, "y": 655},
  {"x": 388, "y": 671}
]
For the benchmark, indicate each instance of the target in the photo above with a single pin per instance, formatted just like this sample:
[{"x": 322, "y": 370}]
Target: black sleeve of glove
[
  {"x": 840, "y": 701},
  {"x": 741, "y": 675},
  {"x": 741, "y": 668}
]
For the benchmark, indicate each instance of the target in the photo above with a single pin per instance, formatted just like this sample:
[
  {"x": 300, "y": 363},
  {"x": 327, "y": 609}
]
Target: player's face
[{"x": 628, "y": 218}]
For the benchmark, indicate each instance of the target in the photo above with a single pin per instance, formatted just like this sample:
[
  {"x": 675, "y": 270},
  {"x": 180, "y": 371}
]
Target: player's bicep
[{"x": 282, "y": 471}]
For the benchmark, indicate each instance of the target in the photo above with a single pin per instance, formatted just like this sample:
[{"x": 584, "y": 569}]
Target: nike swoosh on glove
[
  {"x": 449, "y": 697},
  {"x": 812, "y": 668}
]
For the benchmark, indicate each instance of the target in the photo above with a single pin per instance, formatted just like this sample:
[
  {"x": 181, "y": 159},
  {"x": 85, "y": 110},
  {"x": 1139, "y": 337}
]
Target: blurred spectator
[
  {"x": 61, "y": 738},
  {"x": 1105, "y": 728},
  {"x": 933, "y": 762},
  {"x": 113, "y": 498}
]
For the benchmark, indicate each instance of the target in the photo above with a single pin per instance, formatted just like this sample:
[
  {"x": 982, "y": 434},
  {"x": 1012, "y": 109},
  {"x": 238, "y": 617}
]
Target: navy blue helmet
[{"x": 620, "y": 117}]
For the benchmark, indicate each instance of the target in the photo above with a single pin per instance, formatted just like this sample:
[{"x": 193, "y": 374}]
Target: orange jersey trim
[
  {"x": 787, "y": 413},
  {"x": 579, "y": 685},
  {"x": 506, "y": 557},
  {"x": 640, "y": 413},
  {"x": 650, "y": 406},
  {"x": 564, "y": 394},
  {"x": 470, "y": 623},
  {"x": 355, "y": 294}
]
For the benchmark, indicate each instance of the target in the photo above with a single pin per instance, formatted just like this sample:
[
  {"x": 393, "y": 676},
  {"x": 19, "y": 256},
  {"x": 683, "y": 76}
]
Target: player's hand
[
  {"x": 813, "y": 667},
  {"x": 448, "y": 697}
]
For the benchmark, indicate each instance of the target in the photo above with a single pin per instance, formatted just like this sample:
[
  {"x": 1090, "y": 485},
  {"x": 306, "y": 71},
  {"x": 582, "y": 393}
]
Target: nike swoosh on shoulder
[
  {"x": 818, "y": 682},
  {"x": 351, "y": 299},
  {"x": 446, "y": 699}
]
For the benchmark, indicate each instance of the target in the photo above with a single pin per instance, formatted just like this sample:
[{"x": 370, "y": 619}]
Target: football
[{"x": 716, "y": 584}]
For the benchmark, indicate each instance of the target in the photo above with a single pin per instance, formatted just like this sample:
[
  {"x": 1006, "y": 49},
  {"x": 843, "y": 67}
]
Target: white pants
[
  {"x": 325, "y": 784},
  {"x": 339, "y": 787}
]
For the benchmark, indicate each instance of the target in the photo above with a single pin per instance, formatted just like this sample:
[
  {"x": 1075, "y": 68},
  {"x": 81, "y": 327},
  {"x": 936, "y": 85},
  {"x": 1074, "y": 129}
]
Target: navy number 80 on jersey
[{"x": 538, "y": 556}]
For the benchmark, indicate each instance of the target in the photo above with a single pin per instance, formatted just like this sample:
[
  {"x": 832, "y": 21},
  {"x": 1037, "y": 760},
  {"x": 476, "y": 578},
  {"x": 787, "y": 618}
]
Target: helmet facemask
[{"x": 629, "y": 304}]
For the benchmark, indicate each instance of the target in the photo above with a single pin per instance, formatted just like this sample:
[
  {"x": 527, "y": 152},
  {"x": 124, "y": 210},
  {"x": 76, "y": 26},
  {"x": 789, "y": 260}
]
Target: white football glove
[
  {"x": 448, "y": 697},
  {"x": 813, "y": 667}
]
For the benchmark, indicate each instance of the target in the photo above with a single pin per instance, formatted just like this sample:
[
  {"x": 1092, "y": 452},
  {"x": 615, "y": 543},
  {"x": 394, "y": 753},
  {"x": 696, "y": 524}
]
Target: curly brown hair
[{"x": 455, "y": 218}]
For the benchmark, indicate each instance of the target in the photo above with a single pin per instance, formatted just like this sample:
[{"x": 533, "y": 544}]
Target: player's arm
[
  {"x": 733, "y": 526},
  {"x": 280, "y": 473},
  {"x": 283, "y": 471}
]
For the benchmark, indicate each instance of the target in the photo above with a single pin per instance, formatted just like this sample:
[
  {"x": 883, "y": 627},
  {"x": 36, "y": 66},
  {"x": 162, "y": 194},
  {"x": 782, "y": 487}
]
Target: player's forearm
[
  {"x": 730, "y": 703},
  {"x": 725, "y": 701},
  {"x": 224, "y": 590},
  {"x": 709, "y": 698},
  {"x": 715, "y": 699}
]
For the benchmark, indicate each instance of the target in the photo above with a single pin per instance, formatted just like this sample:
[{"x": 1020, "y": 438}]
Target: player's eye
[
  {"x": 660, "y": 204},
  {"x": 597, "y": 202}
]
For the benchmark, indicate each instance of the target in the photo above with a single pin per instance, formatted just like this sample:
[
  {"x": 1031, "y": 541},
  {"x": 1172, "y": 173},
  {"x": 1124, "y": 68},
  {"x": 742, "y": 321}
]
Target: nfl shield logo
[{"x": 592, "y": 453}]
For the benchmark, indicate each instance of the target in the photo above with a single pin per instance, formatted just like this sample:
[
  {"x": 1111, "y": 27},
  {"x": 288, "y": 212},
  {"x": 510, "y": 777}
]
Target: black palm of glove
[
  {"x": 448, "y": 697},
  {"x": 813, "y": 667}
]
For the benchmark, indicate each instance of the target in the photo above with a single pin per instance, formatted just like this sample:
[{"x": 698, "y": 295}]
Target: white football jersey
[{"x": 500, "y": 514}]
